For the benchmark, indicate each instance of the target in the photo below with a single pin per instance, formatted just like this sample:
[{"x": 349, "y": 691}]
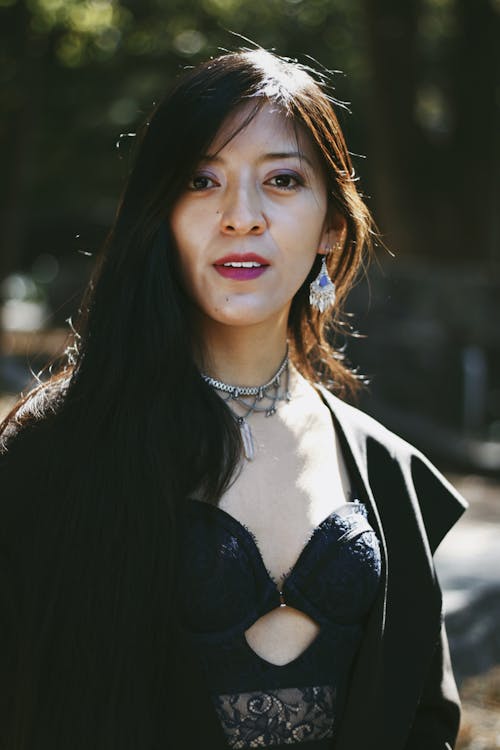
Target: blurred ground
[
  {"x": 480, "y": 728},
  {"x": 468, "y": 560},
  {"x": 468, "y": 564}
]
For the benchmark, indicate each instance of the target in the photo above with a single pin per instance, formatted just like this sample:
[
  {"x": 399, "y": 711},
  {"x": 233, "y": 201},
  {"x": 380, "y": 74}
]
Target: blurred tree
[
  {"x": 435, "y": 125},
  {"x": 91, "y": 68},
  {"x": 422, "y": 79}
]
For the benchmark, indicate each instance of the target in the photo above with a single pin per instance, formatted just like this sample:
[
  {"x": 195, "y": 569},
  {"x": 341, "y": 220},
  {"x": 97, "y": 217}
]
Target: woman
[{"x": 204, "y": 547}]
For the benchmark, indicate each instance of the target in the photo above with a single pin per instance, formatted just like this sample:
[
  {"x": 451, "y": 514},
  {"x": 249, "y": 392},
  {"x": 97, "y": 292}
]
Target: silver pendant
[{"x": 246, "y": 436}]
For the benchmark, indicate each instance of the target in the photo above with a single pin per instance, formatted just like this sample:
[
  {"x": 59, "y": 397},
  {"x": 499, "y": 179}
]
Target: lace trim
[
  {"x": 357, "y": 514},
  {"x": 272, "y": 717}
]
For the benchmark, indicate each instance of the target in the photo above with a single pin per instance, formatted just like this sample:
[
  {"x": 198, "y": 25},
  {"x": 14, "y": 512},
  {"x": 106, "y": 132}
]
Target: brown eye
[
  {"x": 286, "y": 181},
  {"x": 200, "y": 182}
]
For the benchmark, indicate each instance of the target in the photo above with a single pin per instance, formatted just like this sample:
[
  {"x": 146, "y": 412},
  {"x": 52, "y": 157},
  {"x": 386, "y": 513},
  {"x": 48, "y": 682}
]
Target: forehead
[{"x": 267, "y": 129}]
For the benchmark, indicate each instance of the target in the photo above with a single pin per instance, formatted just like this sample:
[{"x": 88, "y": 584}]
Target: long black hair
[{"x": 99, "y": 458}]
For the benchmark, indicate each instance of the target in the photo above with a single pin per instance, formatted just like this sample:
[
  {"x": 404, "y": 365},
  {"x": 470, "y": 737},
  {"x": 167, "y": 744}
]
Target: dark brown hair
[{"x": 100, "y": 457}]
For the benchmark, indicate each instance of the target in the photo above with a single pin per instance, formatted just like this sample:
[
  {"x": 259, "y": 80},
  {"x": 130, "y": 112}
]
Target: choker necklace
[{"x": 269, "y": 391}]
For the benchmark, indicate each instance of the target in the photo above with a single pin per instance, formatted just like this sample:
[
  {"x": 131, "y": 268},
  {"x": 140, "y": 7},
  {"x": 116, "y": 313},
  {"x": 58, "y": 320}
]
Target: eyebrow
[{"x": 267, "y": 157}]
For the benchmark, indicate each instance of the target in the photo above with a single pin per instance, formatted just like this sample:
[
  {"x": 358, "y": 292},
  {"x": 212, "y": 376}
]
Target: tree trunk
[{"x": 26, "y": 96}]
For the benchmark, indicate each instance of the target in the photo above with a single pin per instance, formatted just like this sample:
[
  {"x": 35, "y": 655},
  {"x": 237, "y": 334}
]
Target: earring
[{"x": 322, "y": 289}]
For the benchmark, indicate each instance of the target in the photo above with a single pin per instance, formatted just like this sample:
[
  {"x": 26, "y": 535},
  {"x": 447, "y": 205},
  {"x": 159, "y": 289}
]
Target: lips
[{"x": 242, "y": 267}]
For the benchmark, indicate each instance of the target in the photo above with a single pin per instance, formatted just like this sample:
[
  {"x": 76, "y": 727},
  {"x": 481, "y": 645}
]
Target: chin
[
  {"x": 241, "y": 320},
  {"x": 243, "y": 315}
]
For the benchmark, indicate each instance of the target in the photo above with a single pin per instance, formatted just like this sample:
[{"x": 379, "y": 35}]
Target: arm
[
  {"x": 8, "y": 650},
  {"x": 437, "y": 719},
  {"x": 9, "y": 605},
  {"x": 19, "y": 467}
]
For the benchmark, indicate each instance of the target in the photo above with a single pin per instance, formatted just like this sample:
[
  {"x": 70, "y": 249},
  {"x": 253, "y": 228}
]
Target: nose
[{"x": 243, "y": 212}]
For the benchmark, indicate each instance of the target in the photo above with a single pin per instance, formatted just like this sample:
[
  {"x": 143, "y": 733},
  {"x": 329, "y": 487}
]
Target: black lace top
[{"x": 224, "y": 587}]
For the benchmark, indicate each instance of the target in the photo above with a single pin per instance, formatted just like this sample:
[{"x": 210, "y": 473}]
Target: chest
[{"x": 297, "y": 478}]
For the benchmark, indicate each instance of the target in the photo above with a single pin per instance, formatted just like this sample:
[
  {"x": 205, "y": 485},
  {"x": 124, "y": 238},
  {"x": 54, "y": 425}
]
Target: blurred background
[{"x": 421, "y": 80}]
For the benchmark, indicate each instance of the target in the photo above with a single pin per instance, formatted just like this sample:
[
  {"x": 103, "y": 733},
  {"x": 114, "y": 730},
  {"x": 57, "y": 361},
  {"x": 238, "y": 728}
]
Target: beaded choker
[{"x": 259, "y": 394}]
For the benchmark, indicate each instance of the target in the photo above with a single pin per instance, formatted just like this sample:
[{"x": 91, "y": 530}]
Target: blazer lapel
[
  {"x": 387, "y": 672},
  {"x": 360, "y": 711},
  {"x": 355, "y": 456}
]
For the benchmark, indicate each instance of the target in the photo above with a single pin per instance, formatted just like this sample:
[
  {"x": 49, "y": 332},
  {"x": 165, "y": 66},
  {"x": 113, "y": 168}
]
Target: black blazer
[{"x": 402, "y": 693}]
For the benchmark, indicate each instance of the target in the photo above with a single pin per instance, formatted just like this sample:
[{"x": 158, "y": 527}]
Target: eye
[
  {"x": 201, "y": 182},
  {"x": 286, "y": 181}
]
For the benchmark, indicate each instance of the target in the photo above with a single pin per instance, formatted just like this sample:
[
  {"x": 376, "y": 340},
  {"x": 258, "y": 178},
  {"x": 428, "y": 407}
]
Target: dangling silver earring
[{"x": 322, "y": 289}]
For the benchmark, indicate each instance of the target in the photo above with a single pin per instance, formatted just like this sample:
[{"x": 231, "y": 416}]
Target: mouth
[{"x": 241, "y": 267}]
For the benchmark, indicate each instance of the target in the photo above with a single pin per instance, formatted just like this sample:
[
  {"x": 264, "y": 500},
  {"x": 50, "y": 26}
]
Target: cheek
[
  {"x": 186, "y": 235},
  {"x": 185, "y": 265},
  {"x": 302, "y": 246},
  {"x": 180, "y": 225},
  {"x": 192, "y": 230},
  {"x": 307, "y": 226}
]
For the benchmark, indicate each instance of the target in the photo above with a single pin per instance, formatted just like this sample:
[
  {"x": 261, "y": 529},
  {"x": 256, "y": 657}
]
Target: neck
[{"x": 245, "y": 356}]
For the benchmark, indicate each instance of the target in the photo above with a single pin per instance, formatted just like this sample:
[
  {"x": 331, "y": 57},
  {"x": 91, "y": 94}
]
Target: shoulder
[
  {"x": 32, "y": 415},
  {"x": 31, "y": 474},
  {"x": 391, "y": 463},
  {"x": 362, "y": 427},
  {"x": 25, "y": 450},
  {"x": 28, "y": 437}
]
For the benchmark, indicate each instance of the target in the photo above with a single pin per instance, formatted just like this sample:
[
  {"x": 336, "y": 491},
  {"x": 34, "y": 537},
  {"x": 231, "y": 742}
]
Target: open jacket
[
  {"x": 402, "y": 691},
  {"x": 402, "y": 694}
]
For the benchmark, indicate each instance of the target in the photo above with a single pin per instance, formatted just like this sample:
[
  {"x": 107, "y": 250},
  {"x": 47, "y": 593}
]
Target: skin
[{"x": 241, "y": 200}]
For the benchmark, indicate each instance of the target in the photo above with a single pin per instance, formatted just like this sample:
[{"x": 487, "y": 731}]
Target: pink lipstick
[{"x": 242, "y": 267}]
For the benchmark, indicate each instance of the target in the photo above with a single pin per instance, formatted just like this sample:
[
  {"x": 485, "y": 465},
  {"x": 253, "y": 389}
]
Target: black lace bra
[{"x": 224, "y": 587}]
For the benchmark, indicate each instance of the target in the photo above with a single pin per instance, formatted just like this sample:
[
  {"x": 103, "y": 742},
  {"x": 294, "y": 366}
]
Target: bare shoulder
[
  {"x": 310, "y": 417},
  {"x": 306, "y": 409}
]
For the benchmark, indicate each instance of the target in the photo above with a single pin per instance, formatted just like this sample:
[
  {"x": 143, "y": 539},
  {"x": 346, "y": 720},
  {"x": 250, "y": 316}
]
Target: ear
[{"x": 334, "y": 232}]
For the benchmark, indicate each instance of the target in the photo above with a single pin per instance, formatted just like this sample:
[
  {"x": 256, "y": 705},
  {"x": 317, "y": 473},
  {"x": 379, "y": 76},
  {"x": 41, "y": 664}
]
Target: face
[{"x": 251, "y": 221}]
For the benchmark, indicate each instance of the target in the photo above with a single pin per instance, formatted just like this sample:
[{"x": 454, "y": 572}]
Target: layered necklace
[{"x": 257, "y": 398}]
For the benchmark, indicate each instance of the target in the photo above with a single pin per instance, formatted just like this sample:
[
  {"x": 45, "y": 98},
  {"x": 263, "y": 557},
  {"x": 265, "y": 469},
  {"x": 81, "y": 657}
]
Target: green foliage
[
  {"x": 94, "y": 67},
  {"x": 77, "y": 73}
]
